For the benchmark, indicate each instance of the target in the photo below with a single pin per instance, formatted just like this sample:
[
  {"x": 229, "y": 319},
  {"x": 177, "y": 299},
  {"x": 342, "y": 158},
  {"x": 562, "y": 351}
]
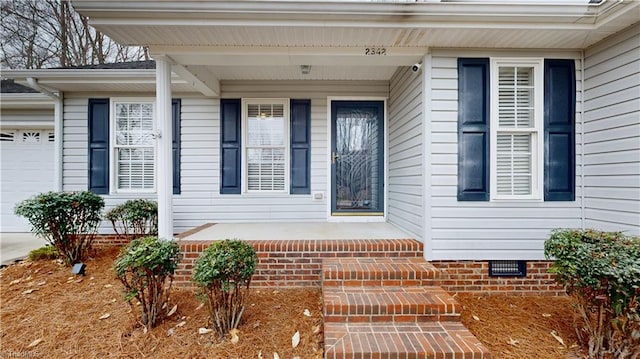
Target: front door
[{"x": 357, "y": 158}]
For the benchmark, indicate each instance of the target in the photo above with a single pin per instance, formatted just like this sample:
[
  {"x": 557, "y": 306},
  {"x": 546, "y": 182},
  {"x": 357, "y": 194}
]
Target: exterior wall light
[{"x": 305, "y": 69}]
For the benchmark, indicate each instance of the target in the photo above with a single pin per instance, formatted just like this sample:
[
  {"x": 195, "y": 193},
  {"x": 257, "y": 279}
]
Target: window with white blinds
[
  {"x": 516, "y": 129},
  {"x": 266, "y": 145},
  {"x": 133, "y": 146}
]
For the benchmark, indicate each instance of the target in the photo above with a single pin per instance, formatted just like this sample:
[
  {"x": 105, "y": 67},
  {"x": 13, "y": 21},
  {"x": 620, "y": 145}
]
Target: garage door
[{"x": 26, "y": 168}]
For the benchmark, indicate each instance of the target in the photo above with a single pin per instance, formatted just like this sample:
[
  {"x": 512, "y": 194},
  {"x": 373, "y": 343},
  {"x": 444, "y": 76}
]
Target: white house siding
[
  {"x": 406, "y": 173},
  {"x": 483, "y": 230},
  {"x": 74, "y": 143},
  {"x": 612, "y": 133},
  {"x": 200, "y": 200}
]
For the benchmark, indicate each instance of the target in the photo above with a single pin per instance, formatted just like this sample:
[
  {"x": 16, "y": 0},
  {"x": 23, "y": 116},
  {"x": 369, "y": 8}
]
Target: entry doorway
[{"x": 357, "y": 158}]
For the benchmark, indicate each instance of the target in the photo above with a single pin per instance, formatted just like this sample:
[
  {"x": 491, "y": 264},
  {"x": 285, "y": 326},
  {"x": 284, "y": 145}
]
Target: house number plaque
[{"x": 375, "y": 51}]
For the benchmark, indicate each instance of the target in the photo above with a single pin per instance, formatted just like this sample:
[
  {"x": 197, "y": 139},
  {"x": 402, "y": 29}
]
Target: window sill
[
  {"x": 133, "y": 194},
  {"x": 265, "y": 194},
  {"x": 512, "y": 200}
]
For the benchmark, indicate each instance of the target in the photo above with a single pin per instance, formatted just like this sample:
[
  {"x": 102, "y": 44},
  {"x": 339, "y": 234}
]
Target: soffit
[
  {"x": 209, "y": 36},
  {"x": 357, "y": 23}
]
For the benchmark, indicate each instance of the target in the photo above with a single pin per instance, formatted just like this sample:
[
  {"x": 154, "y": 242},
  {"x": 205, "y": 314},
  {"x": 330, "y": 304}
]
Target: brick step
[
  {"x": 389, "y": 304},
  {"x": 360, "y": 271},
  {"x": 401, "y": 340}
]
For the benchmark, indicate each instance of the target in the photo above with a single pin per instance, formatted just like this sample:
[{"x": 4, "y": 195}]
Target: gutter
[
  {"x": 33, "y": 83},
  {"x": 63, "y": 73},
  {"x": 45, "y": 80}
]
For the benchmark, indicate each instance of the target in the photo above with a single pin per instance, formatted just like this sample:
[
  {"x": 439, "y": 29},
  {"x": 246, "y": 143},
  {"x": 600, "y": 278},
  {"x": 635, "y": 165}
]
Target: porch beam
[
  {"x": 164, "y": 164},
  {"x": 279, "y": 56},
  {"x": 200, "y": 78}
]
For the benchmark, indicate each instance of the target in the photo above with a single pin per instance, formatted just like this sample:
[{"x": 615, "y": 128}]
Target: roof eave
[
  {"x": 53, "y": 79},
  {"x": 76, "y": 73},
  {"x": 335, "y": 13},
  {"x": 26, "y": 100}
]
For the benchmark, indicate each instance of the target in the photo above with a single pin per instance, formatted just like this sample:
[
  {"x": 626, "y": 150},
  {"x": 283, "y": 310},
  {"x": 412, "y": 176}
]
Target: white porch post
[
  {"x": 58, "y": 126},
  {"x": 164, "y": 170}
]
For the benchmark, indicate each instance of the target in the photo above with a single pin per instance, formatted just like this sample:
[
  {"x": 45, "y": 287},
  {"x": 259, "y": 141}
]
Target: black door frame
[{"x": 379, "y": 105}]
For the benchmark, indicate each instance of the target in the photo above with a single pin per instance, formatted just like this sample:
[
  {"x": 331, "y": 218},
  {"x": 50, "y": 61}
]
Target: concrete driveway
[{"x": 17, "y": 245}]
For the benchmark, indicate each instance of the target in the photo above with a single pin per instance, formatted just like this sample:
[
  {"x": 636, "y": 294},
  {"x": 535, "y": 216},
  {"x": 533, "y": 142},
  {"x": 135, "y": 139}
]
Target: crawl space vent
[{"x": 507, "y": 268}]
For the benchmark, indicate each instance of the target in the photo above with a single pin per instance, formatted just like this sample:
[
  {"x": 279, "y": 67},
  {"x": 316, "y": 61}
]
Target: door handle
[{"x": 334, "y": 157}]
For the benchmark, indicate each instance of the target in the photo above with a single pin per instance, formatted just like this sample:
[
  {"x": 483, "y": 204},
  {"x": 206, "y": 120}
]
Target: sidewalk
[{"x": 17, "y": 245}]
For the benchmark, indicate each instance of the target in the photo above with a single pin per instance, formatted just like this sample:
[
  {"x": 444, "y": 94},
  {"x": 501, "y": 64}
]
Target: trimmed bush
[
  {"x": 135, "y": 218},
  {"x": 146, "y": 267},
  {"x": 69, "y": 221},
  {"x": 601, "y": 270},
  {"x": 43, "y": 253},
  {"x": 223, "y": 273}
]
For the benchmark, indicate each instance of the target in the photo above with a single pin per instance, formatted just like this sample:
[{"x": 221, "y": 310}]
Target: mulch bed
[
  {"x": 43, "y": 301},
  {"x": 521, "y": 327}
]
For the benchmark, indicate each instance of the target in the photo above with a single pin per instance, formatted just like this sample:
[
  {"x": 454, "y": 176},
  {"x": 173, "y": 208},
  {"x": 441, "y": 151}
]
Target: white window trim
[
  {"x": 113, "y": 183},
  {"x": 287, "y": 144},
  {"x": 537, "y": 146}
]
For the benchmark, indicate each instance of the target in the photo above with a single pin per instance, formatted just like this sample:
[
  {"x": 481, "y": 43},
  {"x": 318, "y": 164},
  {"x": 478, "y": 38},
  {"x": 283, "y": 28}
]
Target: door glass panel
[{"x": 357, "y": 159}]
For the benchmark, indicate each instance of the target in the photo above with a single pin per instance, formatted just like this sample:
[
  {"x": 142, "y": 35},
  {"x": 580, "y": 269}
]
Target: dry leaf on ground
[
  {"x": 234, "y": 336},
  {"x": 557, "y": 337},
  {"x": 35, "y": 342},
  {"x": 295, "y": 340}
]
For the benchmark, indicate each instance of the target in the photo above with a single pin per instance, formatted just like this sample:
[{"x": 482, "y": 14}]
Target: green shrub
[
  {"x": 601, "y": 270},
  {"x": 42, "y": 253},
  {"x": 223, "y": 272},
  {"x": 135, "y": 218},
  {"x": 67, "y": 220},
  {"x": 146, "y": 267}
]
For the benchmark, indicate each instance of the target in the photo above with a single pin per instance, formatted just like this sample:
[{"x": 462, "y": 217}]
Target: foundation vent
[{"x": 507, "y": 268}]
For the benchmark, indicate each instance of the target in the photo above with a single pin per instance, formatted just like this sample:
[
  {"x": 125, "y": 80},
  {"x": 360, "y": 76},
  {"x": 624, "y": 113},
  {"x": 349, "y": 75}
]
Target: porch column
[
  {"x": 164, "y": 170},
  {"x": 58, "y": 127}
]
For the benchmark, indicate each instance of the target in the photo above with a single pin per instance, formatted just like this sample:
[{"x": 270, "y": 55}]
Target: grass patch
[{"x": 43, "y": 253}]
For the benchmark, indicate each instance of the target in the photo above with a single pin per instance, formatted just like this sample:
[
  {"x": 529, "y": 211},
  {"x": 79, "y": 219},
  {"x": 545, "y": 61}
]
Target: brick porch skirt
[
  {"x": 298, "y": 263},
  {"x": 473, "y": 277}
]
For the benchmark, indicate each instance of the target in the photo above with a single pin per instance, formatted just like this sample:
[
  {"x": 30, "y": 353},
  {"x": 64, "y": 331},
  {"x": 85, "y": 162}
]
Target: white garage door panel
[{"x": 26, "y": 168}]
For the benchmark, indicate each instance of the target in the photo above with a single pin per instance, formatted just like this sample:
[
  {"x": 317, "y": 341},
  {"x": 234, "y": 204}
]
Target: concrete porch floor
[{"x": 295, "y": 231}]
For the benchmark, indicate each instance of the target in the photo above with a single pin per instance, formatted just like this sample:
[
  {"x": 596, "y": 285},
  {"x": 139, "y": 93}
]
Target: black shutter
[
  {"x": 559, "y": 130},
  {"x": 99, "y": 145},
  {"x": 300, "y": 147},
  {"x": 473, "y": 129},
  {"x": 230, "y": 146},
  {"x": 175, "y": 112}
]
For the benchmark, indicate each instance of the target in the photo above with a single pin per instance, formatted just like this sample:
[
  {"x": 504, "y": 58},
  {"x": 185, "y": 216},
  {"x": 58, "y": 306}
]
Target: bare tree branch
[{"x": 50, "y": 33}]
